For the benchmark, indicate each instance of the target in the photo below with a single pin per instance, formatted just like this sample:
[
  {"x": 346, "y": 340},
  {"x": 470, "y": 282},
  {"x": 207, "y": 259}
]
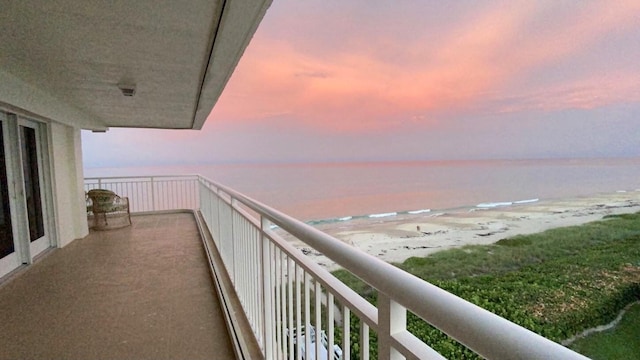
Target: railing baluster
[
  {"x": 290, "y": 279},
  {"x": 346, "y": 333},
  {"x": 153, "y": 191},
  {"x": 283, "y": 304},
  {"x": 259, "y": 257},
  {"x": 364, "y": 341},
  {"x": 299, "y": 279},
  {"x": 234, "y": 243},
  {"x": 254, "y": 263},
  {"x": 330, "y": 324},
  {"x": 277, "y": 327},
  {"x": 267, "y": 333},
  {"x": 307, "y": 317},
  {"x": 318, "y": 318}
]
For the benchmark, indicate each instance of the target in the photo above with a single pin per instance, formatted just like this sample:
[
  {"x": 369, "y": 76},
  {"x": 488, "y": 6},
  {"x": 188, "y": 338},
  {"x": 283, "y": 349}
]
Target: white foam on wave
[
  {"x": 495, "y": 204},
  {"x": 419, "y": 211},
  {"x": 346, "y": 218},
  {"x": 526, "y": 201},
  {"x": 505, "y": 203},
  {"x": 437, "y": 214},
  {"x": 621, "y": 191},
  {"x": 383, "y": 215}
]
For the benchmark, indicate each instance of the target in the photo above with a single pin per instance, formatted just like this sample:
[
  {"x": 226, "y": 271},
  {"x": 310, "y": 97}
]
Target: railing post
[
  {"x": 267, "y": 334},
  {"x": 392, "y": 318},
  {"x": 234, "y": 251},
  {"x": 196, "y": 194},
  {"x": 346, "y": 332},
  {"x": 218, "y": 225},
  {"x": 153, "y": 197}
]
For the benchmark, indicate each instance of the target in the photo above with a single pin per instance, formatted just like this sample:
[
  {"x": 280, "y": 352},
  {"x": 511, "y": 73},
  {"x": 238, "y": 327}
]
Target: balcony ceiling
[{"x": 65, "y": 59}]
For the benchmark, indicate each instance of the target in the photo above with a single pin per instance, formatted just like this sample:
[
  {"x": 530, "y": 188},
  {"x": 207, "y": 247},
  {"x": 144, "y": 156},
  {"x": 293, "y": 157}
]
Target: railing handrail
[
  {"x": 484, "y": 332},
  {"x": 95, "y": 178}
]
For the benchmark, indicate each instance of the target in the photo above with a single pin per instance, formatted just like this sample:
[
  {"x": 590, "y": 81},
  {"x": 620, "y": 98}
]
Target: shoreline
[{"x": 397, "y": 238}]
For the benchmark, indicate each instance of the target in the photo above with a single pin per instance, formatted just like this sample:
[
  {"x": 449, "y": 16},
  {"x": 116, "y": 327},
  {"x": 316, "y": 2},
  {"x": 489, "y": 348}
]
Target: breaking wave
[
  {"x": 482, "y": 206},
  {"x": 505, "y": 203}
]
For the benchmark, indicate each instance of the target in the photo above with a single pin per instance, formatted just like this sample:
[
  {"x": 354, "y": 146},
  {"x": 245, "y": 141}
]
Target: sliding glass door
[
  {"x": 24, "y": 199},
  {"x": 32, "y": 170}
]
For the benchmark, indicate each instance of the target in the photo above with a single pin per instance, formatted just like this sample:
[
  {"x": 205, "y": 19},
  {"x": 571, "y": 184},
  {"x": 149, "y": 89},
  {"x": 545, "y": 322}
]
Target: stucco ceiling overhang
[{"x": 68, "y": 60}]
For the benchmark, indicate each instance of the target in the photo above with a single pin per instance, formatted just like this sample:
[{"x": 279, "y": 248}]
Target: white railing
[
  {"x": 282, "y": 291},
  {"x": 151, "y": 193}
]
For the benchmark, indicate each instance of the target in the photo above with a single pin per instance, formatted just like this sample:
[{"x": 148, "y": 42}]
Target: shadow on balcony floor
[{"x": 141, "y": 292}]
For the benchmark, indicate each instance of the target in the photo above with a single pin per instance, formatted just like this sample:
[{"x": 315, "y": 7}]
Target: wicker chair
[{"x": 108, "y": 206}]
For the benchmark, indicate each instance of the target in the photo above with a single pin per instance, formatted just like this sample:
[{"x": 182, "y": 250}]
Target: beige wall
[{"x": 68, "y": 183}]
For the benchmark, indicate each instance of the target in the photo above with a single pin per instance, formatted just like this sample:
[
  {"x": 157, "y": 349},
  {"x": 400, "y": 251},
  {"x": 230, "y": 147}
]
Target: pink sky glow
[{"x": 406, "y": 80}]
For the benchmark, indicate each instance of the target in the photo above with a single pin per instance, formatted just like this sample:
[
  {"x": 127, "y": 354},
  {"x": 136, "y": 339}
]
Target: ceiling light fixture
[{"x": 127, "y": 90}]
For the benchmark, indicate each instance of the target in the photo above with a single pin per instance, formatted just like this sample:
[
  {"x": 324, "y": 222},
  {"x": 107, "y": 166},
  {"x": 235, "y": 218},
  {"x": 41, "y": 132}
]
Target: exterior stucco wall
[
  {"x": 30, "y": 99},
  {"x": 68, "y": 183}
]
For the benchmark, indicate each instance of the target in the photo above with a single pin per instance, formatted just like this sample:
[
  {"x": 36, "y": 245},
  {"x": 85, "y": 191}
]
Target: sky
[{"x": 406, "y": 80}]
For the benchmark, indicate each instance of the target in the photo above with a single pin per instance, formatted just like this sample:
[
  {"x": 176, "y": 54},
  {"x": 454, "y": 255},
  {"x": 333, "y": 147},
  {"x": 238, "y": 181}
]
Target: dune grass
[{"x": 556, "y": 283}]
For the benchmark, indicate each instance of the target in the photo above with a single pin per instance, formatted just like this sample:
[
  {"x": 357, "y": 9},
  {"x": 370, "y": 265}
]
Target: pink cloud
[{"x": 476, "y": 59}]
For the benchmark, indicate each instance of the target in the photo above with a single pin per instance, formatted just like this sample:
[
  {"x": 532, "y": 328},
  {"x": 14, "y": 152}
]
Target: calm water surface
[{"x": 323, "y": 191}]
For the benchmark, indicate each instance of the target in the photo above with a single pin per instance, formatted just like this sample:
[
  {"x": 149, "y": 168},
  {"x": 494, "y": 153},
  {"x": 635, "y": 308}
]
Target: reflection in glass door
[
  {"x": 6, "y": 232},
  {"x": 32, "y": 174},
  {"x": 8, "y": 257}
]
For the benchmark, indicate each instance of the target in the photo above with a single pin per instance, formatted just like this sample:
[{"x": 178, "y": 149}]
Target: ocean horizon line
[{"x": 92, "y": 167}]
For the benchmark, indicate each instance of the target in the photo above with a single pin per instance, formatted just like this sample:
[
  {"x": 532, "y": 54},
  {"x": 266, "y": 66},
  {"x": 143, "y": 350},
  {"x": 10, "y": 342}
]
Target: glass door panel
[
  {"x": 8, "y": 257},
  {"x": 32, "y": 183},
  {"x": 33, "y": 186},
  {"x": 6, "y": 231}
]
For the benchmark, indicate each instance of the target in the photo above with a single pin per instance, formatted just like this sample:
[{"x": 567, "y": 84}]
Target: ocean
[{"x": 340, "y": 191}]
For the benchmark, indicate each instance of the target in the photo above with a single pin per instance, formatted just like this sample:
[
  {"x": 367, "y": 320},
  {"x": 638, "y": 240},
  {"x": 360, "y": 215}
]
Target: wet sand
[{"x": 395, "y": 239}]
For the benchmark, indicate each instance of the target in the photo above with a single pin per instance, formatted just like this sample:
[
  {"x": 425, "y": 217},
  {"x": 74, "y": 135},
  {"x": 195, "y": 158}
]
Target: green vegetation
[
  {"x": 620, "y": 342},
  {"x": 557, "y": 283}
]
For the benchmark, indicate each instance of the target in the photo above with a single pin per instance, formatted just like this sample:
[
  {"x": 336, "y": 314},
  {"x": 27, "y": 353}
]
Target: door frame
[{"x": 13, "y": 260}]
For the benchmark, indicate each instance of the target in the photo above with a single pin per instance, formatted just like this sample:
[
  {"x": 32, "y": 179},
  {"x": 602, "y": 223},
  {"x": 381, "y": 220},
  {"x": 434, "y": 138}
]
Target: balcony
[
  {"x": 146, "y": 290},
  {"x": 142, "y": 292}
]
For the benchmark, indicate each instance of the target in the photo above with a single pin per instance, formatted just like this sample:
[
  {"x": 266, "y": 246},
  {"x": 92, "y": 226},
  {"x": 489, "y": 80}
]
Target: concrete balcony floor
[{"x": 140, "y": 292}]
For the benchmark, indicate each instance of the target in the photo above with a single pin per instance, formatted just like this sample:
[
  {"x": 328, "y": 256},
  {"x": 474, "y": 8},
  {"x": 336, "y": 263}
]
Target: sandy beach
[{"x": 394, "y": 239}]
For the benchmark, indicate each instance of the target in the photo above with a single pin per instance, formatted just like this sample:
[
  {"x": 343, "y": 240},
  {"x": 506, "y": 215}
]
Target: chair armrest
[{"x": 120, "y": 204}]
